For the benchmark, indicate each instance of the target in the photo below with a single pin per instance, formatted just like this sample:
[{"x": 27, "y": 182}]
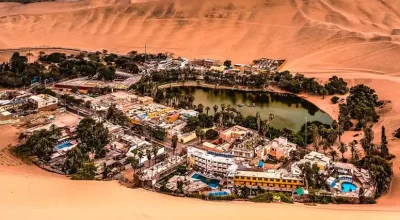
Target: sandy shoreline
[{"x": 104, "y": 200}]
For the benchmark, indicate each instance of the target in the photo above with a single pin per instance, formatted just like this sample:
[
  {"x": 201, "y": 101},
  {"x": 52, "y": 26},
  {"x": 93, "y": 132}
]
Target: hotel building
[
  {"x": 210, "y": 162},
  {"x": 277, "y": 180}
]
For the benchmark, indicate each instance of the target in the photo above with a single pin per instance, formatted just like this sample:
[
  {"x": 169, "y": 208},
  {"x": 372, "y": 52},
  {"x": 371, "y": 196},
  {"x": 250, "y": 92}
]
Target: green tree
[
  {"x": 380, "y": 171},
  {"x": 86, "y": 172},
  {"x": 154, "y": 150},
  {"x": 43, "y": 149},
  {"x": 202, "y": 136},
  {"x": 366, "y": 141},
  {"x": 384, "y": 143},
  {"x": 342, "y": 149},
  {"x": 74, "y": 160},
  {"x": 207, "y": 109},
  {"x": 315, "y": 136},
  {"x": 133, "y": 162},
  {"x": 198, "y": 133},
  {"x": 353, "y": 149},
  {"x": 148, "y": 155},
  {"x": 258, "y": 117},
  {"x": 335, "y": 99},
  {"x": 140, "y": 155},
  {"x": 215, "y": 109},
  {"x": 333, "y": 154},
  {"x": 93, "y": 137},
  {"x": 227, "y": 63},
  {"x": 200, "y": 108}
]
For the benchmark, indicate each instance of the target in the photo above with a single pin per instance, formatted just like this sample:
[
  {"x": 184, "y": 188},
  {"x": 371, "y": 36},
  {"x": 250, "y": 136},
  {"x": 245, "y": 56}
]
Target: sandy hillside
[
  {"x": 354, "y": 39},
  {"x": 344, "y": 34}
]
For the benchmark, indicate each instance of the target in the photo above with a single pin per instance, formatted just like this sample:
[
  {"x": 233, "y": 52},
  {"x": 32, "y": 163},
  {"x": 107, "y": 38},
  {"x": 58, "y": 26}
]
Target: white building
[
  {"x": 164, "y": 64},
  {"x": 44, "y": 102},
  {"x": 210, "y": 162},
  {"x": 313, "y": 157}
]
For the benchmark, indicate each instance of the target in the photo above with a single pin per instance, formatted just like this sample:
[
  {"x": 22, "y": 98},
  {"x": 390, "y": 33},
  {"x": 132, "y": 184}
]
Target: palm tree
[
  {"x": 148, "y": 155},
  {"x": 200, "y": 108},
  {"x": 207, "y": 109},
  {"x": 270, "y": 118},
  {"x": 353, "y": 149},
  {"x": 258, "y": 116},
  {"x": 134, "y": 163},
  {"x": 326, "y": 145},
  {"x": 202, "y": 135},
  {"x": 343, "y": 149},
  {"x": 215, "y": 109},
  {"x": 55, "y": 131},
  {"x": 154, "y": 150},
  {"x": 315, "y": 136},
  {"x": 140, "y": 155},
  {"x": 333, "y": 154},
  {"x": 174, "y": 141},
  {"x": 198, "y": 131}
]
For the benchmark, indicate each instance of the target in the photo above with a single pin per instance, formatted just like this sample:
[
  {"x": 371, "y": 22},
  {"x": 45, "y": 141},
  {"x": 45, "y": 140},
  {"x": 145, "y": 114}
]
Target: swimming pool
[
  {"x": 218, "y": 193},
  {"x": 212, "y": 183},
  {"x": 348, "y": 187},
  {"x": 62, "y": 145}
]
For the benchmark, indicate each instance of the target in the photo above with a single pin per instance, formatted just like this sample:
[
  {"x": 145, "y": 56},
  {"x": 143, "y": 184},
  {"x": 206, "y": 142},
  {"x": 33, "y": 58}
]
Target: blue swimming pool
[
  {"x": 218, "y": 193},
  {"x": 212, "y": 183},
  {"x": 62, "y": 145},
  {"x": 348, "y": 187}
]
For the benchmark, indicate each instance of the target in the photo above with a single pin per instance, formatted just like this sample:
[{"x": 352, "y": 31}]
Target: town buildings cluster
[{"x": 237, "y": 158}]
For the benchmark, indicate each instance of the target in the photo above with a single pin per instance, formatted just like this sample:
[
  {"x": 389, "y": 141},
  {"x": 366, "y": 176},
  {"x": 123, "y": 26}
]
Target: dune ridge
[{"x": 348, "y": 33}]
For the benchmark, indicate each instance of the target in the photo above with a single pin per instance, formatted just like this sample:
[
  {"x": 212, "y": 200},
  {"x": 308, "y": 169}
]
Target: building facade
[
  {"x": 270, "y": 180},
  {"x": 211, "y": 162},
  {"x": 44, "y": 102}
]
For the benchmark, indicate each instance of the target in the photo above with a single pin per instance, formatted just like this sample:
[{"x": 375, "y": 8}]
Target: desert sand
[{"x": 354, "y": 39}]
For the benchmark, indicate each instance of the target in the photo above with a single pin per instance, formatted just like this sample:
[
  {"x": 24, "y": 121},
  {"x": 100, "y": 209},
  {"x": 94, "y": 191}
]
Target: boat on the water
[{"x": 240, "y": 105}]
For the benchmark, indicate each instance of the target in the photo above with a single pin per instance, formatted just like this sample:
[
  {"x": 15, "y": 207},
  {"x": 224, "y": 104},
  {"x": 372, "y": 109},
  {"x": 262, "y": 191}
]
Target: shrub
[
  {"x": 268, "y": 197},
  {"x": 228, "y": 197},
  {"x": 211, "y": 134},
  {"x": 335, "y": 100},
  {"x": 397, "y": 133}
]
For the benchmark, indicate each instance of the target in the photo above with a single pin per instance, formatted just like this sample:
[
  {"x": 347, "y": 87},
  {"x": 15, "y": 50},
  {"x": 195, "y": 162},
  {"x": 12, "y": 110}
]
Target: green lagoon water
[{"x": 289, "y": 110}]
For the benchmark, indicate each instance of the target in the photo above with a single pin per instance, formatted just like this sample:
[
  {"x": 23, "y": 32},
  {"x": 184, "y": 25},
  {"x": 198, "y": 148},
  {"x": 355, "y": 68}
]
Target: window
[
  {"x": 260, "y": 178},
  {"x": 289, "y": 181},
  {"x": 254, "y": 178},
  {"x": 248, "y": 178},
  {"x": 283, "y": 181},
  {"x": 242, "y": 178}
]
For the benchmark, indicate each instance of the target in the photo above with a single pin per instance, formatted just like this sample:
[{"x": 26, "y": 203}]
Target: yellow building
[
  {"x": 271, "y": 180},
  {"x": 220, "y": 68}
]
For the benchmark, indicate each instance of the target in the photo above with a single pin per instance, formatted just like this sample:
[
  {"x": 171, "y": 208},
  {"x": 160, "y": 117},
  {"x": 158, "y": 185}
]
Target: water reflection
[{"x": 289, "y": 110}]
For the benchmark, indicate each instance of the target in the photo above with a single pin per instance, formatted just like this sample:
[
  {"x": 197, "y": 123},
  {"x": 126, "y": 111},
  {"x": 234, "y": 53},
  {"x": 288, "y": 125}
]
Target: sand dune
[
  {"x": 348, "y": 34},
  {"x": 354, "y": 39}
]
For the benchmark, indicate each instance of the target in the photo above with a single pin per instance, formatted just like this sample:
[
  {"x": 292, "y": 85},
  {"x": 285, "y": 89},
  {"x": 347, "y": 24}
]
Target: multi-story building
[
  {"x": 277, "y": 149},
  {"x": 278, "y": 180},
  {"x": 210, "y": 162},
  {"x": 164, "y": 64},
  {"x": 322, "y": 162},
  {"x": 44, "y": 102},
  {"x": 244, "y": 141}
]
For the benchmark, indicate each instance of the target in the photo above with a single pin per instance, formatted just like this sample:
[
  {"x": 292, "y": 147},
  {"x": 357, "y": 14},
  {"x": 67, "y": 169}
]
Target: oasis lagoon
[{"x": 289, "y": 110}]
